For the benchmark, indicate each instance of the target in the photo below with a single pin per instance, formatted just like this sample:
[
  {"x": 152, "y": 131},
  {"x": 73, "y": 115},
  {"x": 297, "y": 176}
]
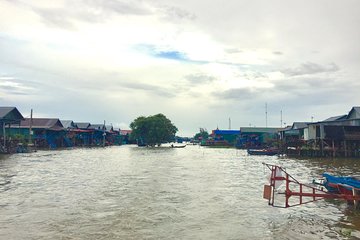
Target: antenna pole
[
  {"x": 3, "y": 128},
  {"x": 30, "y": 127},
  {"x": 104, "y": 134},
  {"x": 266, "y": 114}
]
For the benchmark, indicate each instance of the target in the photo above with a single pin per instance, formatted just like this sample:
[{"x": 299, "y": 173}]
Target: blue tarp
[{"x": 227, "y": 132}]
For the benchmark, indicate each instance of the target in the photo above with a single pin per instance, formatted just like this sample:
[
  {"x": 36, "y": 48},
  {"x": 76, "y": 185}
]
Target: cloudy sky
[{"x": 199, "y": 62}]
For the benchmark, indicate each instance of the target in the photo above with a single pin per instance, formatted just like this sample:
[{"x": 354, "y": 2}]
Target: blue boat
[{"x": 340, "y": 184}]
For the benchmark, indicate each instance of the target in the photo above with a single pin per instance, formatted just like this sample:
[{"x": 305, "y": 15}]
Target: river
[{"x": 126, "y": 192}]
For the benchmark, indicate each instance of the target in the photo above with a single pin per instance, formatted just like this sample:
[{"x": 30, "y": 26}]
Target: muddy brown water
[{"x": 128, "y": 192}]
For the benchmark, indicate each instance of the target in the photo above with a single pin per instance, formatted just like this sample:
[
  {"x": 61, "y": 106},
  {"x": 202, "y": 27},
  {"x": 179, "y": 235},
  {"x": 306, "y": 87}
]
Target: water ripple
[{"x": 162, "y": 193}]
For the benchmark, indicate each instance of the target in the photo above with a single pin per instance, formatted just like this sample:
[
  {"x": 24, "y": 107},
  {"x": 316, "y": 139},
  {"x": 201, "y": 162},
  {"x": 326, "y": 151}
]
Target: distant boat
[
  {"x": 263, "y": 151},
  {"x": 177, "y": 146}
]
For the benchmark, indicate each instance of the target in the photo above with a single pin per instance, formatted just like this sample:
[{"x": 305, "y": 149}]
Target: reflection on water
[{"x": 162, "y": 193}]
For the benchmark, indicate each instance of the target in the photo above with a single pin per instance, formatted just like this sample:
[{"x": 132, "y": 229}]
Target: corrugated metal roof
[
  {"x": 354, "y": 113},
  {"x": 97, "y": 126},
  {"x": 299, "y": 125},
  {"x": 67, "y": 123},
  {"x": 10, "y": 114},
  {"x": 286, "y": 129},
  {"x": 259, "y": 130},
  {"x": 5, "y": 111},
  {"x": 335, "y": 118},
  {"x": 82, "y": 125},
  {"x": 42, "y": 123}
]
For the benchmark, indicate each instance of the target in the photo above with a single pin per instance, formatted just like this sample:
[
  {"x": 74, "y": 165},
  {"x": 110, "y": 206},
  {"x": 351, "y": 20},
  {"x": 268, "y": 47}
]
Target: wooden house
[
  {"x": 221, "y": 138},
  {"x": 68, "y": 124},
  {"x": 104, "y": 135},
  {"x": 125, "y": 136},
  {"x": 83, "y": 134},
  {"x": 82, "y": 125},
  {"x": 294, "y": 136},
  {"x": 257, "y": 137},
  {"x": 335, "y": 136},
  {"x": 44, "y": 132},
  {"x": 70, "y": 133},
  {"x": 8, "y": 116}
]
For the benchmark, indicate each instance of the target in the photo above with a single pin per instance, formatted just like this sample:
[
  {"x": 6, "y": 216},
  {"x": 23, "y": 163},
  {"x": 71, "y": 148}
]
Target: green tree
[
  {"x": 203, "y": 134},
  {"x": 153, "y": 130}
]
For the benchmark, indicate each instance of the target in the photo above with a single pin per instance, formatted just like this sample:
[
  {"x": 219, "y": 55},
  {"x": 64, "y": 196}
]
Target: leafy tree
[
  {"x": 203, "y": 134},
  {"x": 153, "y": 130}
]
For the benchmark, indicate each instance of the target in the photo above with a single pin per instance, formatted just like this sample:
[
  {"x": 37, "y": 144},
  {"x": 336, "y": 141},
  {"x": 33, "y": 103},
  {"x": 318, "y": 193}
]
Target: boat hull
[
  {"x": 264, "y": 152},
  {"x": 340, "y": 184}
]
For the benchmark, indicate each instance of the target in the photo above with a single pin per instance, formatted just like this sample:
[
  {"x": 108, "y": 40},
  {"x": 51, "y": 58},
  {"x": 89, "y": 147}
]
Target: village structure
[
  {"x": 19, "y": 134},
  {"x": 337, "y": 136}
]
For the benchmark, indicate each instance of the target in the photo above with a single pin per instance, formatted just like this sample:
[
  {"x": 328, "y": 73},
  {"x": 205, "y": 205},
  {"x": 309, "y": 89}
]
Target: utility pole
[
  {"x": 30, "y": 127},
  {"x": 281, "y": 124},
  {"x": 104, "y": 134},
  {"x": 229, "y": 123},
  {"x": 3, "y": 128},
  {"x": 266, "y": 114}
]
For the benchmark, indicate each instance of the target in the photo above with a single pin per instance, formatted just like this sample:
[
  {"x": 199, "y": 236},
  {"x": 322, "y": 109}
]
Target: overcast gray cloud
[
  {"x": 176, "y": 13},
  {"x": 55, "y": 18},
  {"x": 129, "y": 58},
  {"x": 277, "y": 53},
  {"x": 199, "y": 79},
  {"x": 236, "y": 94},
  {"x": 122, "y": 7},
  {"x": 310, "y": 68},
  {"x": 97, "y": 11},
  {"x": 92, "y": 11},
  {"x": 160, "y": 91}
]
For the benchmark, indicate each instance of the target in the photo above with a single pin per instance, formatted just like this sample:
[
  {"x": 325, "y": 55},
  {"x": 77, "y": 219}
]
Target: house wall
[
  {"x": 311, "y": 132},
  {"x": 306, "y": 134}
]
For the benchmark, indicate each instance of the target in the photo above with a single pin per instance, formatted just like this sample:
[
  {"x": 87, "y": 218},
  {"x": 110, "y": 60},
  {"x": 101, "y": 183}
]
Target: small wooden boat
[
  {"x": 178, "y": 146},
  {"x": 263, "y": 151}
]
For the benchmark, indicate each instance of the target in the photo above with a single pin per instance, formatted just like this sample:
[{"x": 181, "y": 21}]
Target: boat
[
  {"x": 178, "y": 146},
  {"x": 296, "y": 193},
  {"x": 340, "y": 184},
  {"x": 263, "y": 151}
]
